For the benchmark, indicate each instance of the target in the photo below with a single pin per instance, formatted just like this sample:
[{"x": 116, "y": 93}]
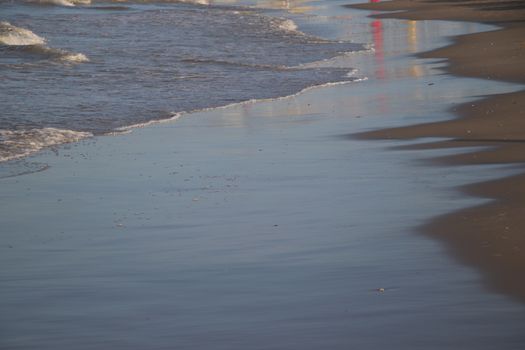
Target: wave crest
[
  {"x": 22, "y": 40},
  {"x": 288, "y": 25},
  {"x": 61, "y": 2},
  {"x": 198, "y": 2},
  {"x": 15, "y": 36},
  {"x": 73, "y": 57}
]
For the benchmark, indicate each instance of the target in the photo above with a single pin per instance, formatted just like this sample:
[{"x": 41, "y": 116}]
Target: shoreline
[
  {"x": 489, "y": 236},
  {"x": 82, "y": 135},
  {"x": 257, "y": 226}
]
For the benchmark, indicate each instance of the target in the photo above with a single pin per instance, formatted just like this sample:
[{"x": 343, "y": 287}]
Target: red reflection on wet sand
[
  {"x": 378, "y": 39},
  {"x": 377, "y": 35}
]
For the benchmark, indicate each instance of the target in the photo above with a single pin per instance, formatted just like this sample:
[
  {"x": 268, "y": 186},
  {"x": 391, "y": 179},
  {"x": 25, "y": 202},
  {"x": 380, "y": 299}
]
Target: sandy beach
[
  {"x": 490, "y": 236},
  {"x": 288, "y": 223}
]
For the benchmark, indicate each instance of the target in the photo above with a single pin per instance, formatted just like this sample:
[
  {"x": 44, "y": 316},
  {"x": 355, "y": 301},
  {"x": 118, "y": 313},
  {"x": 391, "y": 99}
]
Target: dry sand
[{"x": 489, "y": 236}]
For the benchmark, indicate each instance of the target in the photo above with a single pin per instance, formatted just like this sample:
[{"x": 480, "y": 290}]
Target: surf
[
  {"x": 68, "y": 3},
  {"x": 11, "y": 35},
  {"x": 18, "y": 40}
]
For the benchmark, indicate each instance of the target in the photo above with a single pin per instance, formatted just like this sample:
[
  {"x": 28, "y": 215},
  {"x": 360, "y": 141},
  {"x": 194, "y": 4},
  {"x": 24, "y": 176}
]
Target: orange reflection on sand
[
  {"x": 377, "y": 36},
  {"x": 414, "y": 70},
  {"x": 379, "y": 54},
  {"x": 412, "y": 35},
  {"x": 378, "y": 40}
]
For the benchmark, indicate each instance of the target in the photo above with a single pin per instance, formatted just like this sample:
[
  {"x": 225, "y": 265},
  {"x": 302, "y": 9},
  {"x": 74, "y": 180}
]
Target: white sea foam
[
  {"x": 21, "y": 143},
  {"x": 11, "y": 35},
  {"x": 126, "y": 129},
  {"x": 16, "y": 36},
  {"x": 288, "y": 25},
  {"x": 61, "y": 2},
  {"x": 57, "y": 55},
  {"x": 198, "y": 2},
  {"x": 56, "y": 2},
  {"x": 72, "y": 57}
]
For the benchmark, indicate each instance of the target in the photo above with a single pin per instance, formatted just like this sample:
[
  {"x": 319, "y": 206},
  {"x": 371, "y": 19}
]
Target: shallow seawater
[
  {"x": 257, "y": 226},
  {"x": 72, "y": 71}
]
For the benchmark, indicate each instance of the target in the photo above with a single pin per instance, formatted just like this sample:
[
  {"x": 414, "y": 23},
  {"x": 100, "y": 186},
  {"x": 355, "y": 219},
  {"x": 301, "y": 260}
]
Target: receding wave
[
  {"x": 15, "y": 36},
  {"x": 350, "y": 78},
  {"x": 21, "y": 143},
  {"x": 342, "y": 60},
  {"x": 21, "y": 167}
]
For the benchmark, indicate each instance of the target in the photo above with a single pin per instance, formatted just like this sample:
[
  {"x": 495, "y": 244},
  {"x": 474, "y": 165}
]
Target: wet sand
[
  {"x": 490, "y": 236},
  {"x": 258, "y": 226}
]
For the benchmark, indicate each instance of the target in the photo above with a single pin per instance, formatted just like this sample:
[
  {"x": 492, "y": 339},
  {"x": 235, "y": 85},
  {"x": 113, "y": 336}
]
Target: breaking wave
[
  {"x": 15, "y": 36},
  {"x": 288, "y": 25},
  {"x": 61, "y": 2},
  {"x": 21, "y": 143},
  {"x": 73, "y": 57},
  {"x": 198, "y": 2},
  {"x": 20, "y": 40}
]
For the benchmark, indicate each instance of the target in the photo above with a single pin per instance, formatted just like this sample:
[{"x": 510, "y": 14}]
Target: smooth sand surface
[
  {"x": 490, "y": 236},
  {"x": 258, "y": 226}
]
